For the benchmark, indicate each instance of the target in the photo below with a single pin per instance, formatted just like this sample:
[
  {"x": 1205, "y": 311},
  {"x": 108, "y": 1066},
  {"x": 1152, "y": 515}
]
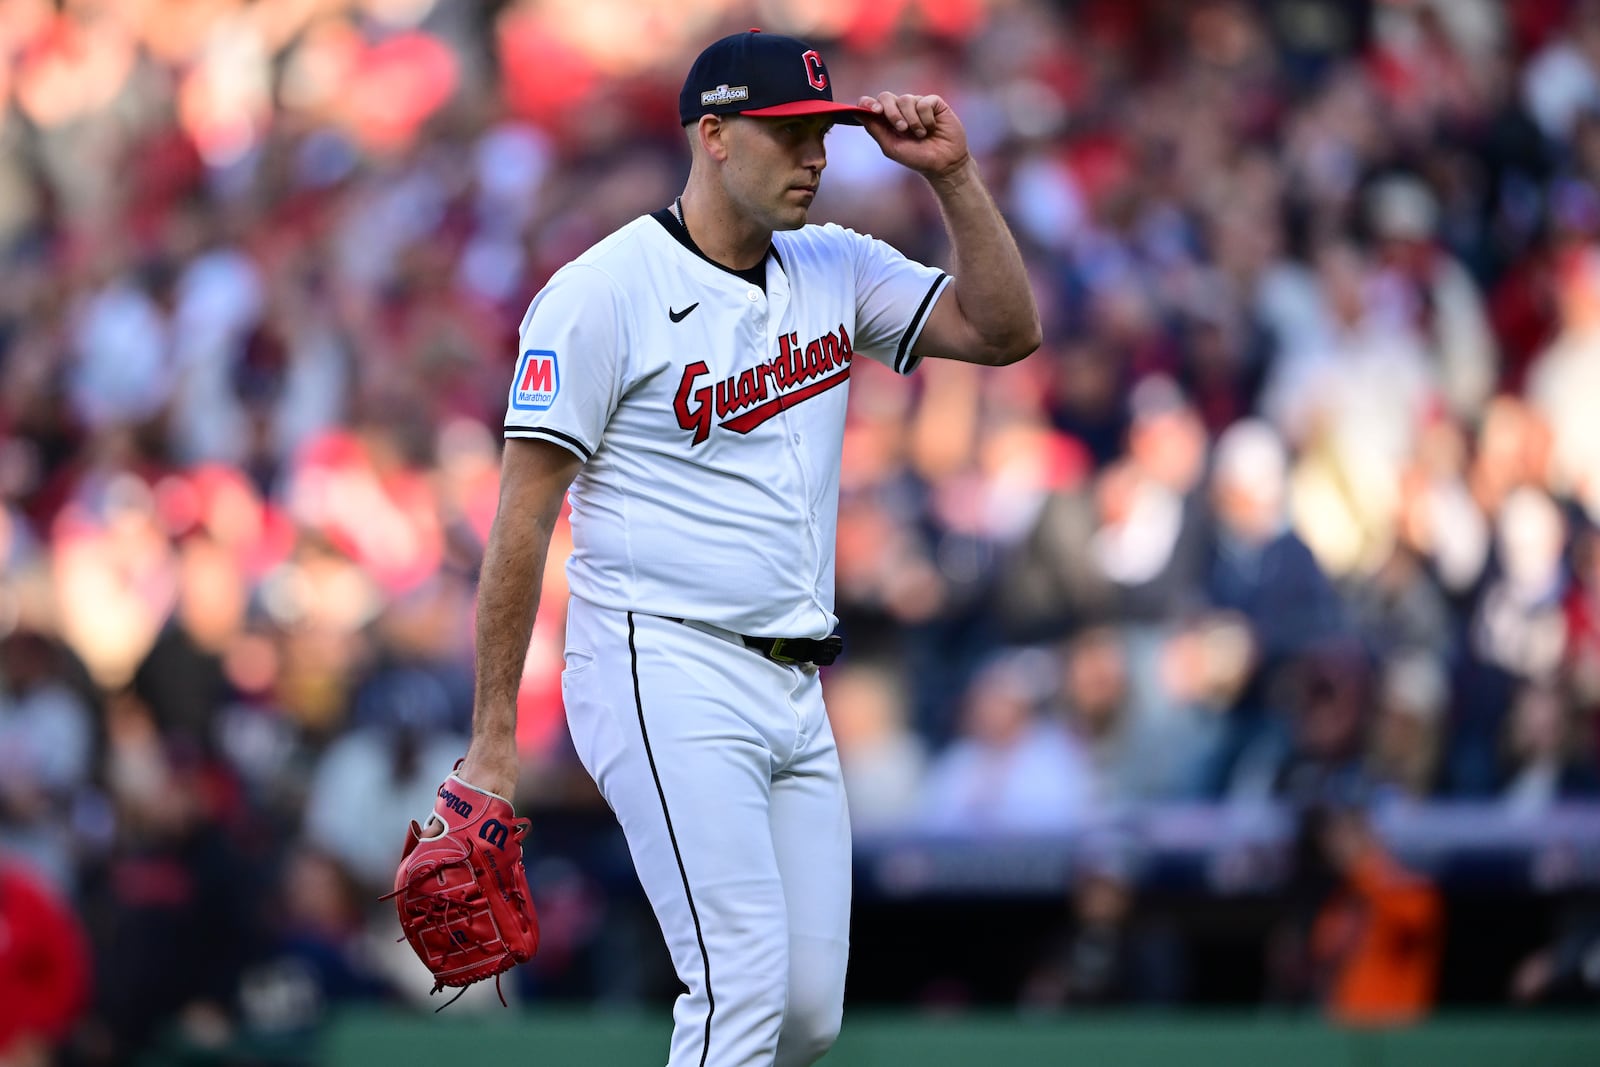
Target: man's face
[{"x": 774, "y": 166}]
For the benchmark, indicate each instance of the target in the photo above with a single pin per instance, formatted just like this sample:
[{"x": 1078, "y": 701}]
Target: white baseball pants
[{"x": 721, "y": 768}]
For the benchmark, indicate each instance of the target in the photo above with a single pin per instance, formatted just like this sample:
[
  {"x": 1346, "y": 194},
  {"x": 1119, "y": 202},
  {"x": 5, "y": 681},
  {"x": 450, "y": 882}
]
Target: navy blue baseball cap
[{"x": 763, "y": 74}]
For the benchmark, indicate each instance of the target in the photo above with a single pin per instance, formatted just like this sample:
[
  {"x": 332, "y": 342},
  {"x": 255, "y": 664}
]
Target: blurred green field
[{"x": 898, "y": 1040}]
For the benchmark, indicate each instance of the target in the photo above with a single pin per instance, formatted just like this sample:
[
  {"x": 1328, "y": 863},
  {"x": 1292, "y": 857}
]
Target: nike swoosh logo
[{"x": 678, "y": 316}]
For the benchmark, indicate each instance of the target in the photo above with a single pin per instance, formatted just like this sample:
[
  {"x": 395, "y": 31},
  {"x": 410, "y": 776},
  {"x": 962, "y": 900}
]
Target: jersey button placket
[
  {"x": 778, "y": 305},
  {"x": 782, "y": 315},
  {"x": 797, "y": 440}
]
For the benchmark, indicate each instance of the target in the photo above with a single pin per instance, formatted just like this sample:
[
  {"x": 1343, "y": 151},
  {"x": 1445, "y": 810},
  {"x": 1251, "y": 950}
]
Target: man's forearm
[
  {"x": 991, "y": 283},
  {"x": 533, "y": 482},
  {"x": 508, "y": 600}
]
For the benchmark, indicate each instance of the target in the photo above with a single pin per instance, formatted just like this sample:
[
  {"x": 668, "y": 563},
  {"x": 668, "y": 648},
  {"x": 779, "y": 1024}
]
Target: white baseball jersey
[{"x": 710, "y": 414}]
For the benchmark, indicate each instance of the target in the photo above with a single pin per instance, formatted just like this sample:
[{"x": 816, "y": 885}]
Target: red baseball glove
[{"x": 462, "y": 896}]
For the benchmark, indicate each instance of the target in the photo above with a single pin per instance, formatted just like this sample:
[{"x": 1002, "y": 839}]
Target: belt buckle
[{"x": 776, "y": 654}]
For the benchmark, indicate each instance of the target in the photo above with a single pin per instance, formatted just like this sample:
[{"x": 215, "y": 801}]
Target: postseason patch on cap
[
  {"x": 724, "y": 94},
  {"x": 537, "y": 382}
]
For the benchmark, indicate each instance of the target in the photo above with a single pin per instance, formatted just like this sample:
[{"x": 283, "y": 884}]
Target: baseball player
[{"x": 685, "y": 381}]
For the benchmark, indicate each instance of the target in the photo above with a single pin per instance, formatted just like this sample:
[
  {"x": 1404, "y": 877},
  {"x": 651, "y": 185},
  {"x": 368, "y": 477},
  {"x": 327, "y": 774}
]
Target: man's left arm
[{"x": 990, "y": 317}]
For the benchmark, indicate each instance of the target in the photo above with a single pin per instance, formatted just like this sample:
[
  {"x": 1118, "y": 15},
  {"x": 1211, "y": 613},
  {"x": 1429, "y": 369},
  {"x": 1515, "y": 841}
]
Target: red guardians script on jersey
[{"x": 743, "y": 401}]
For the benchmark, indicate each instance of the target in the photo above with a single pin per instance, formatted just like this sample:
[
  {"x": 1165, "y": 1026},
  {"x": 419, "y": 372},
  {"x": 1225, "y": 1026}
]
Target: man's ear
[{"x": 713, "y": 133}]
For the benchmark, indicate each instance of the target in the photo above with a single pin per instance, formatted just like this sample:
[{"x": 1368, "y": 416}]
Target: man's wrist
[
  {"x": 952, "y": 178},
  {"x": 492, "y": 763},
  {"x": 492, "y": 738},
  {"x": 493, "y": 742}
]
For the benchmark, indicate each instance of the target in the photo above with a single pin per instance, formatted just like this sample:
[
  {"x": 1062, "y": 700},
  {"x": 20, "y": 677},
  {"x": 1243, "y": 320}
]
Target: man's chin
[{"x": 792, "y": 219}]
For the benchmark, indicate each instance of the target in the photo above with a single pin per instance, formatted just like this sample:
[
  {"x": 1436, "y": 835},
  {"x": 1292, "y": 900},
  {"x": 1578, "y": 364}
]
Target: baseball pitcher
[{"x": 684, "y": 381}]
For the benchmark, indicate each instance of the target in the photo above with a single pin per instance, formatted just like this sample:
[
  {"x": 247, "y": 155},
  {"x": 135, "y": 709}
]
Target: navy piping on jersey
[
  {"x": 705, "y": 957},
  {"x": 915, "y": 325},
  {"x": 756, "y": 275},
  {"x": 572, "y": 443}
]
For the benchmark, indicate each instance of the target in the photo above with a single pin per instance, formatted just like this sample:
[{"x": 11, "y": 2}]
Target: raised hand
[{"x": 919, "y": 132}]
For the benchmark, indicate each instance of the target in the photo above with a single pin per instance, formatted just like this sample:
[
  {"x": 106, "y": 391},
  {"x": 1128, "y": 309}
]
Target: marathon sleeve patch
[
  {"x": 537, "y": 381},
  {"x": 568, "y": 376}
]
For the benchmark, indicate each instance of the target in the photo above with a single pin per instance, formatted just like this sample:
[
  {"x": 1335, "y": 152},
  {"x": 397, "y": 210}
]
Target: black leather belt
[
  {"x": 797, "y": 649},
  {"x": 791, "y": 650}
]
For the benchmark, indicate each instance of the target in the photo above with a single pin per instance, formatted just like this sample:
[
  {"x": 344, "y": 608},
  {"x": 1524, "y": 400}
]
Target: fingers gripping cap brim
[{"x": 848, "y": 113}]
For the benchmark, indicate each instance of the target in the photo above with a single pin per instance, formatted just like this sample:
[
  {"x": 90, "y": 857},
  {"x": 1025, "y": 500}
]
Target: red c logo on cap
[{"x": 814, "y": 72}]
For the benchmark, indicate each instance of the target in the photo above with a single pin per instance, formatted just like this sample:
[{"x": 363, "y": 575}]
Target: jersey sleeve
[
  {"x": 570, "y": 362},
  {"x": 894, "y": 297}
]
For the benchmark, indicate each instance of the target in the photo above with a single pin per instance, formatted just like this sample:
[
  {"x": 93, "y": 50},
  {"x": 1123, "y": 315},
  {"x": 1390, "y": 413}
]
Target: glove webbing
[{"x": 446, "y": 908}]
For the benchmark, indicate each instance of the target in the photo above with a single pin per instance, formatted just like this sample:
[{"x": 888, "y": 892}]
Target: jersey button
[
  {"x": 796, "y": 438},
  {"x": 753, "y": 294}
]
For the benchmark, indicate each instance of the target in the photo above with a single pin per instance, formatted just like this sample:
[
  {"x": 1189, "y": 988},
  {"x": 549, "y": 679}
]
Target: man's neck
[{"x": 720, "y": 232}]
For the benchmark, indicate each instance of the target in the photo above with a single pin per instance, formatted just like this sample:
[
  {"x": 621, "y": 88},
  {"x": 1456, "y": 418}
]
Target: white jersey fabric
[{"x": 710, "y": 414}]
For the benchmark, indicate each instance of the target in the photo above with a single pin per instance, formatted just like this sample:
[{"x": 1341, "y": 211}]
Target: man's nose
[{"x": 816, "y": 157}]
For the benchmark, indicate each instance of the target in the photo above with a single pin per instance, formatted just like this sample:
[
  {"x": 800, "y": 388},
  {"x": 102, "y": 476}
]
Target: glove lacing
[{"x": 446, "y": 908}]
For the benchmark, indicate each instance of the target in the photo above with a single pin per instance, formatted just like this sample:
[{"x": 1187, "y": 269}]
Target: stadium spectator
[
  {"x": 1328, "y": 705},
  {"x": 44, "y": 968},
  {"x": 1566, "y": 970},
  {"x": 1542, "y": 765},
  {"x": 1127, "y": 547},
  {"x": 47, "y": 750},
  {"x": 1404, "y": 748},
  {"x": 181, "y": 679},
  {"x": 1117, "y": 951},
  {"x": 883, "y": 761},
  {"x": 1517, "y": 633},
  {"x": 173, "y": 885},
  {"x": 1141, "y": 747},
  {"x": 317, "y": 957},
  {"x": 1015, "y": 768},
  {"x": 1377, "y": 940},
  {"x": 383, "y": 769},
  {"x": 1260, "y": 569}
]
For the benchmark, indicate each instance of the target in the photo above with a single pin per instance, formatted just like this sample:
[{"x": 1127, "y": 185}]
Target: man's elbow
[{"x": 1015, "y": 346}]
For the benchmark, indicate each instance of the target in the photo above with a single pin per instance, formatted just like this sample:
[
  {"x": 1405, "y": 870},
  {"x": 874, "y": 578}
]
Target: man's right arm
[{"x": 534, "y": 476}]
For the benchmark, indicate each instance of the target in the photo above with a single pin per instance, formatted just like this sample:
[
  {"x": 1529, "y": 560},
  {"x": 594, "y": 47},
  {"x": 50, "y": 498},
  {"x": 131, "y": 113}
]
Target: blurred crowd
[{"x": 1297, "y": 501}]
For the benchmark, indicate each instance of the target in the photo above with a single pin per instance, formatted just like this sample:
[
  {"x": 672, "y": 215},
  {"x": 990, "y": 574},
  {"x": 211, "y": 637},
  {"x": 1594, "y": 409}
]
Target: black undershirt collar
[{"x": 756, "y": 275}]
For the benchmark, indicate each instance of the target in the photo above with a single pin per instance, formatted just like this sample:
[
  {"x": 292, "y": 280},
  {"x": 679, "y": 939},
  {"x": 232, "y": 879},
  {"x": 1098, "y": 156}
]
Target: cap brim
[{"x": 845, "y": 112}]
